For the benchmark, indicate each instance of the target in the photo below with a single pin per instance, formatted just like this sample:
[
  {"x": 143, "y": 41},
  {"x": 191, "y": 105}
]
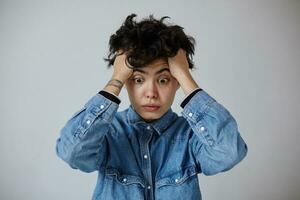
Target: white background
[{"x": 51, "y": 57}]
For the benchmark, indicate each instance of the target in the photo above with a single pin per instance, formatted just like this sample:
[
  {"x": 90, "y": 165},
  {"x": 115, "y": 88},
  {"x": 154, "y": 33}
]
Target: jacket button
[
  {"x": 190, "y": 114},
  {"x": 202, "y": 128},
  {"x": 210, "y": 142},
  {"x": 176, "y": 180},
  {"x": 149, "y": 187},
  {"x": 124, "y": 179},
  {"x": 145, "y": 156},
  {"x": 148, "y": 127},
  {"x": 102, "y": 106},
  {"x": 88, "y": 121}
]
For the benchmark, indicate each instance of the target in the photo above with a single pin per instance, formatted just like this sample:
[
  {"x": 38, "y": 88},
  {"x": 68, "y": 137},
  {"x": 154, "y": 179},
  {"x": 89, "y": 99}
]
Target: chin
[{"x": 151, "y": 116}]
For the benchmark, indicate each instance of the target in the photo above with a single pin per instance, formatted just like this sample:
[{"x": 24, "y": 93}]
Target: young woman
[{"x": 147, "y": 151}]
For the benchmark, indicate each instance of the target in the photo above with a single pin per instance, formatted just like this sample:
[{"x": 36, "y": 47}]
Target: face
[{"x": 152, "y": 85}]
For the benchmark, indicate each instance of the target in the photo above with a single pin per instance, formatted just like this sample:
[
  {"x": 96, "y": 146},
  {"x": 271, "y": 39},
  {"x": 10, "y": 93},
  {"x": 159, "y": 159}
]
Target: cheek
[
  {"x": 134, "y": 93},
  {"x": 168, "y": 93}
]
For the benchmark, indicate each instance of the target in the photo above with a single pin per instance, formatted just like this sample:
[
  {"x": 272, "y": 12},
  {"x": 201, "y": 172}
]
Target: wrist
[
  {"x": 187, "y": 83},
  {"x": 114, "y": 86},
  {"x": 112, "y": 89},
  {"x": 119, "y": 78}
]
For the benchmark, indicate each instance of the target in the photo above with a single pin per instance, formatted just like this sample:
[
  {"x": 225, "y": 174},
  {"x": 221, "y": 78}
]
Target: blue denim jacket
[{"x": 158, "y": 160}]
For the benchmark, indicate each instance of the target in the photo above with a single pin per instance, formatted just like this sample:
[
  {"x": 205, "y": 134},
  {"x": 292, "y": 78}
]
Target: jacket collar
[{"x": 159, "y": 125}]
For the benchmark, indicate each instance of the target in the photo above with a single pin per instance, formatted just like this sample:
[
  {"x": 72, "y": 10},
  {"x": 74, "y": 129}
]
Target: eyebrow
[{"x": 158, "y": 72}]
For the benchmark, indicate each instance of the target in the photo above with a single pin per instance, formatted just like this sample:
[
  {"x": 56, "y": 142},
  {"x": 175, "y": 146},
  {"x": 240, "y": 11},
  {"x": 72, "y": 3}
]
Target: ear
[{"x": 178, "y": 86}]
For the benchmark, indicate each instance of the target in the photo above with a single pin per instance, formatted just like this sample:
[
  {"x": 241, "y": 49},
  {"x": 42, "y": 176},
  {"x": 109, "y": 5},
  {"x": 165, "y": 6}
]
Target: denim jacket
[{"x": 156, "y": 160}]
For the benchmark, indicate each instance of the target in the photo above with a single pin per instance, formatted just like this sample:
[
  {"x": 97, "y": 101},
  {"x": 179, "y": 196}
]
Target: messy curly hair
[{"x": 148, "y": 40}]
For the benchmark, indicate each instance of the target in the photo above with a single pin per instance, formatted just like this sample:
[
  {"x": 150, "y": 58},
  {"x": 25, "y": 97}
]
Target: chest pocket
[
  {"x": 178, "y": 177},
  {"x": 121, "y": 186},
  {"x": 182, "y": 184},
  {"x": 124, "y": 179}
]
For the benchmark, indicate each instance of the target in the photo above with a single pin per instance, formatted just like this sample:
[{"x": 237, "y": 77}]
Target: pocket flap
[
  {"x": 125, "y": 179},
  {"x": 178, "y": 177}
]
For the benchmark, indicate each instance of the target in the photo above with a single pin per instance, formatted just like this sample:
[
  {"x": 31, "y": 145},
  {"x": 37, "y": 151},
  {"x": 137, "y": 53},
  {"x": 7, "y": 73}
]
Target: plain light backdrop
[{"x": 51, "y": 57}]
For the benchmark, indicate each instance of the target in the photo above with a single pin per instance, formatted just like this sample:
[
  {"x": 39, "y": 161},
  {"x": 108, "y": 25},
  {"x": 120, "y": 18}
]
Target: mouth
[{"x": 151, "y": 107}]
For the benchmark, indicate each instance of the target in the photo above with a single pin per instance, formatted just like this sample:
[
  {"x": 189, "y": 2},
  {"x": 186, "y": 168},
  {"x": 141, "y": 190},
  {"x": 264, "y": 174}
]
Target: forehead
[
  {"x": 158, "y": 62},
  {"x": 157, "y": 66}
]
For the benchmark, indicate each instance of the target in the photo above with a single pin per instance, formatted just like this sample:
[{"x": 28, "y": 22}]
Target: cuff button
[{"x": 210, "y": 142}]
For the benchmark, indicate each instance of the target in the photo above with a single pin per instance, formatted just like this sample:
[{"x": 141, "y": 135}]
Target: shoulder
[
  {"x": 119, "y": 122},
  {"x": 180, "y": 128}
]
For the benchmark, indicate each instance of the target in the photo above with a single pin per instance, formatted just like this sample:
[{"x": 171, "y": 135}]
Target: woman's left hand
[{"x": 179, "y": 64}]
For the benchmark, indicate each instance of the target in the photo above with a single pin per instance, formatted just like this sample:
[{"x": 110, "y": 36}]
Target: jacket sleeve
[
  {"x": 82, "y": 142},
  {"x": 215, "y": 142}
]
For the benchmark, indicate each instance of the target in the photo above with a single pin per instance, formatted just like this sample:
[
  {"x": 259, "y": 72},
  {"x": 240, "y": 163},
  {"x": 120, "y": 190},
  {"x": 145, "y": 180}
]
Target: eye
[
  {"x": 137, "y": 80},
  {"x": 164, "y": 80}
]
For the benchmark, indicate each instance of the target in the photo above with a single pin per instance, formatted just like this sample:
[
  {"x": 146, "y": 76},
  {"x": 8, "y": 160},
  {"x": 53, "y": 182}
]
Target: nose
[{"x": 151, "y": 91}]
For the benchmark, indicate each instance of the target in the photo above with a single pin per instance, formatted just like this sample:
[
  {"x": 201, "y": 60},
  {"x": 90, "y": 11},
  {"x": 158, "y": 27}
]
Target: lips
[{"x": 151, "y": 107}]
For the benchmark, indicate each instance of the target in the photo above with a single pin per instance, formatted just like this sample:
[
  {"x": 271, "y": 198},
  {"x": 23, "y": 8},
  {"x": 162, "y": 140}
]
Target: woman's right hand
[{"x": 121, "y": 71}]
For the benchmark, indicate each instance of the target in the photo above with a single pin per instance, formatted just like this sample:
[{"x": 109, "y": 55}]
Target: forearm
[
  {"x": 216, "y": 142},
  {"x": 187, "y": 83},
  {"x": 83, "y": 135},
  {"x": 112, "y": 89},
  {"x": 115, "y": 86}
]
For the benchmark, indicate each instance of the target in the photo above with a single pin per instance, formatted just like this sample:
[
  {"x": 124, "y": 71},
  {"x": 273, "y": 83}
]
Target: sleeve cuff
[
  {"x": 110, "y": 96},
  {"x": 197, "y": 106},
  {"x": 189, "y": 96}
]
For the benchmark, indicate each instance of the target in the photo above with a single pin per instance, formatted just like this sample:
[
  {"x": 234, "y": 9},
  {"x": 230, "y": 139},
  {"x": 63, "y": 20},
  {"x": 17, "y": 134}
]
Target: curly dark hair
[{"x": 148, "y": 40}]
